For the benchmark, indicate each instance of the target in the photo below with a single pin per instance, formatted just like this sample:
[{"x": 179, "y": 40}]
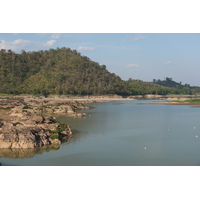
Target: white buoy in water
[
  {"x": 194, "y": 127},
  {"x": 196, "y": 136},
  {"x": 145, "y": 148}
]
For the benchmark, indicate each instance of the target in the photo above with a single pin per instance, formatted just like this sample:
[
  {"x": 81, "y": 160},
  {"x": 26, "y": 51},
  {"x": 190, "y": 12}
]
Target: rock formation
[
  {"x": 27, "y": 128},
  {"x": 32, "y": 133}
]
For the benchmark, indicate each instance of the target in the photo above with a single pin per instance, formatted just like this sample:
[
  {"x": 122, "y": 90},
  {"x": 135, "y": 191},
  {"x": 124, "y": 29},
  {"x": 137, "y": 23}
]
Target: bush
[
  {"x": 54, "y": 136},
  {"x": 5, "y": 108},
  {"x": 27, "y": 107},
  {"x": 16, "y": 123}
]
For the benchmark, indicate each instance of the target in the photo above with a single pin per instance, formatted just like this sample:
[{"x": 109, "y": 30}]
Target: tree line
[{"x": 63, "y": 71}]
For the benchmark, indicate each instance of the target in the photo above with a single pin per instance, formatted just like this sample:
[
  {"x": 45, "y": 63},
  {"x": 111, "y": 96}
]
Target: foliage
[
  {"x": 188, "y": 101},
  {"x": 63, "y": 71},
  {"x": 56, "y": 71},
  {"x": 27, "y": 107},
  {"x": 138, "y": 87},
  {"x": 5, "y": 108},
  {"x": 178, "y": 88},
  {"x": 16, "y": 123},
  {"x": 54, "y": 136},
  {"x": 61, "y": 127}
]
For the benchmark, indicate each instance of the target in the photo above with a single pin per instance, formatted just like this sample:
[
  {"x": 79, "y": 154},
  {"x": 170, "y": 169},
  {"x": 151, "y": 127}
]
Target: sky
[{"x": 143, "y": 56}]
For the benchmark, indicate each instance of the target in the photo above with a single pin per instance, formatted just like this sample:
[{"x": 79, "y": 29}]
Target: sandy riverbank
[
  {"x": 173, "y": 102},
  {"x": 73, "y": 99}
]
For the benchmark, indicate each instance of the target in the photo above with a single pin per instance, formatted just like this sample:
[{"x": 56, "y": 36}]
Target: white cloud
[
  {"x": 20, "y": 44},
  {"x": 49, "y": 43},
  {"x": 168, "y": 62},
  {"x": 14, "y": 45},
  {"x": 137, "y": 37},
  {"x": 85, "y": 48},
  {"x": 132, "y": 65}
]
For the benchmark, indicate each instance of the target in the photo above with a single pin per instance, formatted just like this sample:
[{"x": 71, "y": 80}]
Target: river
[{"x": 125, "y": 133}]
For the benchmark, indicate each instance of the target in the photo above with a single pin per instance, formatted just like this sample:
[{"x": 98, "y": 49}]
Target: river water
[{"x": 124, "y": 133}]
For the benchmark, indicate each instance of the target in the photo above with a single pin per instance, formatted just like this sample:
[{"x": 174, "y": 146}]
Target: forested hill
[
  {"x": 168, "y": 82},
  {"x": 56, "y": 71},
  {"x": 65, "y": 71}
]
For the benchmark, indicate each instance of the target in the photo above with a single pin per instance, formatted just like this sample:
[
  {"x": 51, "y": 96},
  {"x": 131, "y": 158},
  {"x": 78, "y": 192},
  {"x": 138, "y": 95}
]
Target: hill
[
  {"x": 56, "y": 71},
  {"x": 65, "y": 71},
  {"x": 168, "y": 82},
  {"x": 179, "y": 87},
  {"x": 138, "y": 87}
]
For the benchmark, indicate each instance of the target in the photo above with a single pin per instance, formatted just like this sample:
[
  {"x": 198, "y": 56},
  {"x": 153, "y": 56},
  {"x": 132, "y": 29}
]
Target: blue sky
[{"x": 143, "y": 56}]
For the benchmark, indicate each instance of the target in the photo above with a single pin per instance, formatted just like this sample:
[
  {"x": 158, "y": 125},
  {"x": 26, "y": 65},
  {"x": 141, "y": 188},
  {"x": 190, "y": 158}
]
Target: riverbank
[
  {"x": 81, "y": 99},
  {"x": 178, "y": 101},
  {"x": 27, "y": 122}
]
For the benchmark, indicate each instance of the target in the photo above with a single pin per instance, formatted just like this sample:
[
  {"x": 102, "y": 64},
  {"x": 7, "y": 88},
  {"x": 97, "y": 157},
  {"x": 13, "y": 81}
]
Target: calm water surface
[{"x": 125, "y": 133}]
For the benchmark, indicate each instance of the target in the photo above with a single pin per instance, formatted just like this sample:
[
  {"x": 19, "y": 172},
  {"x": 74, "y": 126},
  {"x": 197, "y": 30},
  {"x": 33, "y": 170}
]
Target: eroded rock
[
  {"x": 32, "y": 135},
  {"x": 27, "y": 128}
]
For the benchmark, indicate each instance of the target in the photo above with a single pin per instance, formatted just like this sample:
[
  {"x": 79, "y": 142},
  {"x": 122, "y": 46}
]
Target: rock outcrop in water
[
  {"x": 27, "y": 128},
  {"x": 33, "y": 132}
]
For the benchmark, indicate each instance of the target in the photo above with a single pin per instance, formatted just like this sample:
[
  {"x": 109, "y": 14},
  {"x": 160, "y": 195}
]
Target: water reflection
[{"x": 25, "y": 153}]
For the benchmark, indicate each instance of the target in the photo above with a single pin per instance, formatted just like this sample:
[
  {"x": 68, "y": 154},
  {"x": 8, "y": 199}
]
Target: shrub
[
  {"x": 54, "y": 136},
  {"x": 27, "y": 107},
  {"x": 5, "y": 108},
  {"x": 16, "y": 123}
]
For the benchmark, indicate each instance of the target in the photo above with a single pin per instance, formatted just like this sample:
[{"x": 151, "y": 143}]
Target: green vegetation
[
  {"x": 188, "y": 101},
  {"x": 56, "y": 71},
  {"x": 168, "y": 82},
  {"x": 62, "y": 127},
  {"x": 177, "y": 88},
  {"x": 44, "y": 107},
  {"x": 6, "y": 108},
  {"x": 27, "y": 107},
  {"x": 56, "y": 133},
  {"x": 63, "y": 71},
  {"x": 138, "y": 87},
  {"x": 16, "y": 123},
  {"x": 54, "y": 136}
]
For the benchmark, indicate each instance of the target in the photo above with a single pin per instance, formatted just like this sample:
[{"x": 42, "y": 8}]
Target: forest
[{"x": 63, "y": 71}]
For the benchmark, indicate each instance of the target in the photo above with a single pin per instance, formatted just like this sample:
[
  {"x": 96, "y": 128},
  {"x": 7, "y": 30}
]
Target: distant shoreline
[
  {"x": 173, "y": 103},
  {"x": 82, "y": 100}
]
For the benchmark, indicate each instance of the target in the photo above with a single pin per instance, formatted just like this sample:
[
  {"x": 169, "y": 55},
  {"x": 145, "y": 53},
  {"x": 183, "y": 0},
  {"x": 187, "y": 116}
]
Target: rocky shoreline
[{"x": 29, "y": 124}]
